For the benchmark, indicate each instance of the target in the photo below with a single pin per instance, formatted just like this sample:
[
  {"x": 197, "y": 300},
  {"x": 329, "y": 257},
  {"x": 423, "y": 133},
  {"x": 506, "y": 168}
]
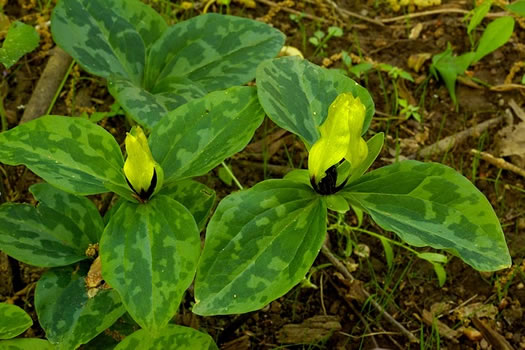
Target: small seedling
[
  {"x": 448, "y": 66},
  {"x": 408, "y": 110},
  {"x": 320, "y": 39}
]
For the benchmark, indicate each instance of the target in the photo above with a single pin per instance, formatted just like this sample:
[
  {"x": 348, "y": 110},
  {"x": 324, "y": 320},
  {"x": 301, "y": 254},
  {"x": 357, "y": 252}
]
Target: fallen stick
[
  {"x": 499, "y": 162},
  {"x": 338, "y": 265},
  {"x": 295, "y": 12},
  {"x": 47, "y": 86},
  {"x": 450, "y": 141},
  {"x": 438, "y": 12}
]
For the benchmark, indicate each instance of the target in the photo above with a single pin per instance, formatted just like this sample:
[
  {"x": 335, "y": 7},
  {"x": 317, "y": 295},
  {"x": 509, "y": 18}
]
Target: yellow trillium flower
[
  {"x": 143, "y": 174},
  {"x": 340, "y": 139}
]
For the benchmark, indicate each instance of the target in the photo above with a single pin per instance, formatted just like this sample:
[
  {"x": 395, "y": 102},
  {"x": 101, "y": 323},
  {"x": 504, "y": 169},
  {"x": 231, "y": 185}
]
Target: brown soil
[{"x": 409, "y": 289}]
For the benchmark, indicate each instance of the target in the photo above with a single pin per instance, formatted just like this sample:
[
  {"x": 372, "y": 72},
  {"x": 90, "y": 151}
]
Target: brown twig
[
  {"x": 295, "y": 12},
  {"x": 448, "y": 142},
  {"x": 346, "y": 14},
  {"x": 339, "y": 266},
  {"x": 49, "y": 82},
  {"x": 437, "y": 12},
  {"x": 499, "y": 162},
  {"x": 517, "y": 109}
]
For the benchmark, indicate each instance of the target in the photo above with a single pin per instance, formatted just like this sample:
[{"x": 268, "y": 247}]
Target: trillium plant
[
  {"x": 135, "y": 263},
  {"x": 270, "y": 235}
]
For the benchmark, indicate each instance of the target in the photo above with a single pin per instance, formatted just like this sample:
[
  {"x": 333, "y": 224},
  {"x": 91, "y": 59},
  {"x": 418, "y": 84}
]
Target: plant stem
[
  {"x": 60, "y": 88},
  {"x": 232, "y": 175}
]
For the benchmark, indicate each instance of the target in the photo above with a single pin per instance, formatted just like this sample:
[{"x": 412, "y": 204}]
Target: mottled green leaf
[
  {"x": 267, "y": 237},
  {"x": 21, "y": 39},
  {"x": 196, "y": 197},
  {"x": 171, "y": 337},
  {"x": 41, "y": 236},
  {"x": 149, "y": 255},
  {"x": 198, "y": 136},
  {"x": 13, "y": 321},
  {"x": 72, "y": 154},
  {"x": 141, "y": 105},
  {"x": 144, "y": 19},
  {"x": 147, "y": 108},
  {"x": 81, "y": 211},
  {"x": 26, "y": 344},
  {"x": 296, "y": 94},
  {"x": 214, "y": 50},
  {"x": 99, "y": 39},
  {"x": 496, "y": 34},
  {"x": 429, "y": 204},
  {"x": 66, "y": 313}
]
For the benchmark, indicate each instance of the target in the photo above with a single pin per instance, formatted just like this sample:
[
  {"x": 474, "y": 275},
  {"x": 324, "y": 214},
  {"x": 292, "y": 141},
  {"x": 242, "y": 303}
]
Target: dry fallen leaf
[
  {"x": 417, "y": 60},
  {"x": 476, "y": 310},
  {"x": 311, "y": 331},
  {"x": 442, "y": 328},
  {"x": 511, "y": 142},
  {"x": 414, "y": 33}
]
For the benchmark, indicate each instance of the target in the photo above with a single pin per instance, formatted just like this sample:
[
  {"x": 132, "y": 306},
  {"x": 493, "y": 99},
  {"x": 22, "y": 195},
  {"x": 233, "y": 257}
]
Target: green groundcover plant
[
  {"x": 150, "y": 244},
  {"x": 153, "y": 68},
  {"x": 259, "y": 242},
  {"x": 270, "y": 235}
]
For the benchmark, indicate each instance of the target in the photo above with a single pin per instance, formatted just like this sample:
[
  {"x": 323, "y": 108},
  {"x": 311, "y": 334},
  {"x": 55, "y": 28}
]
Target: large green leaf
[
  {"x": 26, "y": 344},
  {"x": 171, "y": 337},
  {"x": 55, "y": 233},
  {"x": 72, "y": 154},
  {"x": 496, "y": 34},
  {"x": 198, "y": 136},
  {"x": 198, "y": 198},
  {"x": 79, "y": 210},
  {"x": 267, "y": 237},
  {"x": 144, "y": 19},
  {"x": 148, "y": 108},
  {"x": 149, "y": 255},
  {"x": 69, "y": 317},
  {"x": 13, "y": 321},
  {"x": 214, "y": 50},
  {"x": 21, "y": 39},
  {"x": 429, "y": 204},
  {"x": 296, "y": 94},
  {"x": 99, "y": 39}
]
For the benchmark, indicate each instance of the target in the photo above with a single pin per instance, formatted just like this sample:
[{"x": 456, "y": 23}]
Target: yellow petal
[
  {"x": 357, "y": 148},
  {"x": 139, "y": 166},
  {"x": 334, "y": 142}
]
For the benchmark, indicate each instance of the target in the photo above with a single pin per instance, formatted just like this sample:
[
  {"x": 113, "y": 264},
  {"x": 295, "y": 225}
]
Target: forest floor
[{"x": 473, "y": 310}]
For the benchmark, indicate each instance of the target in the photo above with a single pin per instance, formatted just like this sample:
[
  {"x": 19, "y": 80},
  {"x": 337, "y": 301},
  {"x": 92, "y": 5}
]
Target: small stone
[{"x": 483, "y": 344}]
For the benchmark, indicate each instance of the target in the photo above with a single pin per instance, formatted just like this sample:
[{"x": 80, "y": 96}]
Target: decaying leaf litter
[{"x": 487, "y": 120}]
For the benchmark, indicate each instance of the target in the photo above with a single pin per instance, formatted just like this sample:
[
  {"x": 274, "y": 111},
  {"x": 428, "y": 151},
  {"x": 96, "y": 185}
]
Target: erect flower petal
[
  {"x": 140, "y": 167},
  {"x": 344, "y": 121},
  {"x": 357, "y": 147}
]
